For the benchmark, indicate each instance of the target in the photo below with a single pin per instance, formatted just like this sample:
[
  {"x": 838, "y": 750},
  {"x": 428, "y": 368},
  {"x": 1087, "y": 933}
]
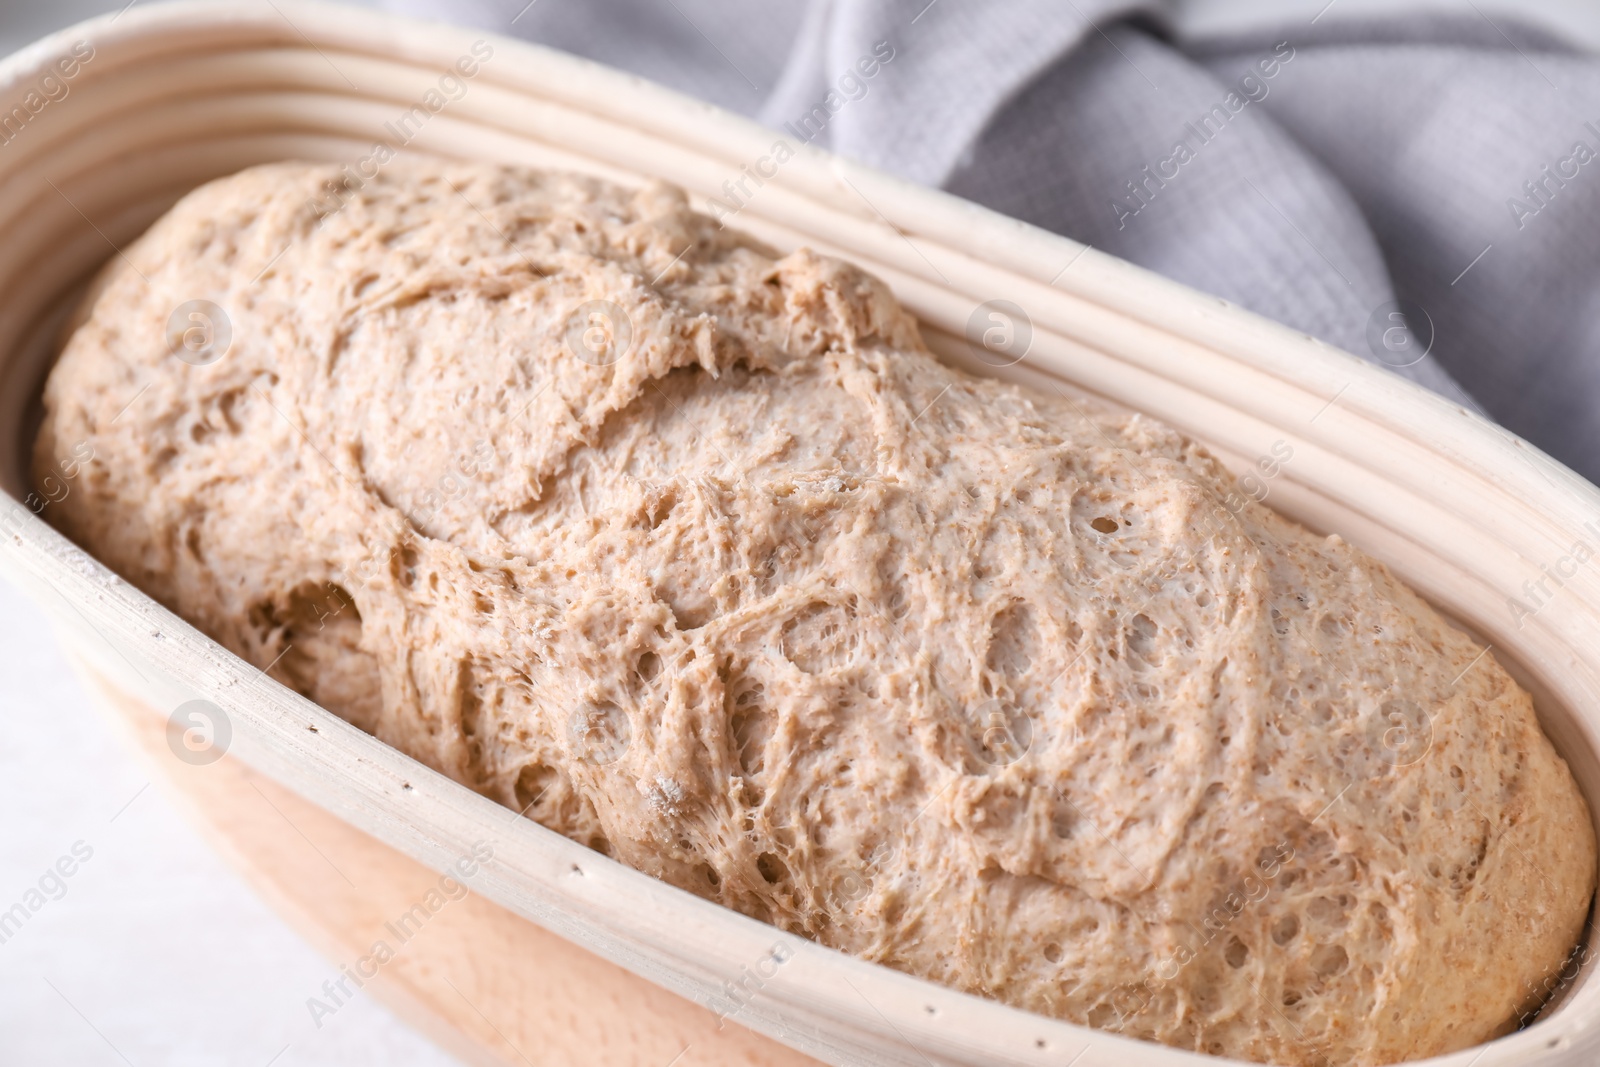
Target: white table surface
[{"x": 157, "y": 953}]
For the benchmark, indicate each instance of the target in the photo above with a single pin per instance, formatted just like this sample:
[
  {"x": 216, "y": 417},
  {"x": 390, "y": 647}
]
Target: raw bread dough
[{"x": 695, "y": 555}]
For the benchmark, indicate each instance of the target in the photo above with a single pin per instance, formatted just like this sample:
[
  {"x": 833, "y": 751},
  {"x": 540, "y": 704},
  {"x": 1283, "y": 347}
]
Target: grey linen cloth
[{"x": 1421, "y": 191}]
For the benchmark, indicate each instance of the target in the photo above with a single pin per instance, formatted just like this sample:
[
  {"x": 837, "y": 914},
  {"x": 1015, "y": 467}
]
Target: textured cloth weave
[{"x": 1421, "y": 191}]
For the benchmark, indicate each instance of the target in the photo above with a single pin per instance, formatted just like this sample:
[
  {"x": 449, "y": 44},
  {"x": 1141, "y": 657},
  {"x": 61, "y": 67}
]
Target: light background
[{"x": 158, "y": 953}]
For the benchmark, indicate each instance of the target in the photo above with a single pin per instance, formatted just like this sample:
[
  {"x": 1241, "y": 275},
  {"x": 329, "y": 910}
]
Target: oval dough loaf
[{"x": 696, "y": 555}]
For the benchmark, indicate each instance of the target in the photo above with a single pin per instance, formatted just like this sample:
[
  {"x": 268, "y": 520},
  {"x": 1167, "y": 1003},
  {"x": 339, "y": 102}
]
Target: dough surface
[{"x": 755, "y": 596}]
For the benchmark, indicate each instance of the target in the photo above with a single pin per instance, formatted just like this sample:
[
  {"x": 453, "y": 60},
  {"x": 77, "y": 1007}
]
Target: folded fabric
[{"x": 1422, "y": 191}]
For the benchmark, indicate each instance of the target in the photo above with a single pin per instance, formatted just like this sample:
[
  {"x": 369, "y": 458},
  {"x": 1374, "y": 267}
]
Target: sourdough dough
[{"x": 744, "y": 589}]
